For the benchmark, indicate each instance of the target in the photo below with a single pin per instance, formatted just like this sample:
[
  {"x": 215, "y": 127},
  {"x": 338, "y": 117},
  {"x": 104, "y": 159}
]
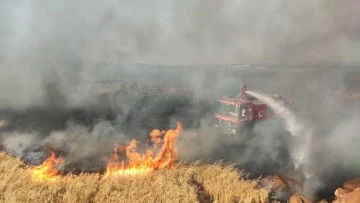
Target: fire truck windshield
[{"x": 227, "y": 109}]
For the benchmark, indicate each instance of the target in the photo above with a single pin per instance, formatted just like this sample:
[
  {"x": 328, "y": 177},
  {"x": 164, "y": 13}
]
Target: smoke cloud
[
  {"x": 70, "y": 41},
  {"x": 80, "y": 76}
]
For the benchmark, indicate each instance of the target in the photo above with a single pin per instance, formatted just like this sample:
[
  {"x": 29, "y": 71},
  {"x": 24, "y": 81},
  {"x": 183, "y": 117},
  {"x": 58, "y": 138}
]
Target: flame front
[
  {"x": 47, "y": 170},
  {"x": 137, "y": 163}
]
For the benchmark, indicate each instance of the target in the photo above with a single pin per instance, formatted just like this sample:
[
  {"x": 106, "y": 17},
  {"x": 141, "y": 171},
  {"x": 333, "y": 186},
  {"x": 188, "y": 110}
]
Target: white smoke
[
  {"x": 19, "y": 144},
  {"x": 3, "y": 123},
  {"x": 301, "y": 149}
]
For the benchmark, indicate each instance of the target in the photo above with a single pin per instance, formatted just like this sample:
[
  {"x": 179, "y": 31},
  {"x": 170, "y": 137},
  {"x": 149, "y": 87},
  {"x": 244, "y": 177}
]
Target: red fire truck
[{"x": 234, "y": 113}]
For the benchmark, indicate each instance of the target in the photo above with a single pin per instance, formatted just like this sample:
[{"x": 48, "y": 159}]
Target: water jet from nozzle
[{"x": 292, "y": 124}]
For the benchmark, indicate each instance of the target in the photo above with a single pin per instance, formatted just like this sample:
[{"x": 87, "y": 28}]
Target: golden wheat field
[{"x": 195, "y": 183}]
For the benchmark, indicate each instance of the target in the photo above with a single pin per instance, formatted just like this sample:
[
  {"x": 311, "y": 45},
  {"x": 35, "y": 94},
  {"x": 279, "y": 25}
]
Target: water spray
[
  {"x": 300, "y": 152},
  {"x": 292, "y": 123}
]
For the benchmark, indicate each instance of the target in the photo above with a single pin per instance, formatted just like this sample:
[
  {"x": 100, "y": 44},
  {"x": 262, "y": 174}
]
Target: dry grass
[{"x": 196, "y": 183}]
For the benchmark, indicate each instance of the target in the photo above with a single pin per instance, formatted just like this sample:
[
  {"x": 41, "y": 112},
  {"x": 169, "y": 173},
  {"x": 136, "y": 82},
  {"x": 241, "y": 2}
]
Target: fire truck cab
[{"x": 234, "y": 113}]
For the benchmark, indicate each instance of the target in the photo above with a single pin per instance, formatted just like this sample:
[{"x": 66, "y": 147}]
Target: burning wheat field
[
  {"x": 179, "y": 101},
  {"x": 154, "y": 176},
  {"x": 163, "y": 146}
]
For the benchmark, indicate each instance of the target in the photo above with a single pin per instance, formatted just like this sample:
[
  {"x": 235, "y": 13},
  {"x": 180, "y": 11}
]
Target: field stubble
[{"x": 194, "y": 183}]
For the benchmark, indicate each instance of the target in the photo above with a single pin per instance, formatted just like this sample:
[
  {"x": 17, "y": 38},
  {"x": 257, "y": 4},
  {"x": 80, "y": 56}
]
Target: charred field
[{"x": 82, "y": 121}]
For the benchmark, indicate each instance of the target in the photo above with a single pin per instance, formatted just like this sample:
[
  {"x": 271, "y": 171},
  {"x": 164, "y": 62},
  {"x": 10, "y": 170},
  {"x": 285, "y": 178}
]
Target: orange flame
[
  {"x": 149, "y": 161},
  {"x": 47, "y": 170}
]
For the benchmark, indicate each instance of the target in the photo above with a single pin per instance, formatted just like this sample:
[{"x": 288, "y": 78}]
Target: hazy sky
[{"x": 179, "y": 31}]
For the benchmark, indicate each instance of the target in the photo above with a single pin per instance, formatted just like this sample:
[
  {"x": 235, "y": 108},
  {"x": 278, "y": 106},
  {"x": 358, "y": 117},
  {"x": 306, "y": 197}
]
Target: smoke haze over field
[
  {"x": 178, "y": 32},
  {"x": 50, "y": 51},
  {"x": 81, "y": 40}
]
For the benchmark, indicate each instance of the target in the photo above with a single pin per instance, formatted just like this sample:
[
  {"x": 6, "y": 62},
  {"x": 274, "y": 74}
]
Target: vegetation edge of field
[{"x": 194, "y": 183}]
